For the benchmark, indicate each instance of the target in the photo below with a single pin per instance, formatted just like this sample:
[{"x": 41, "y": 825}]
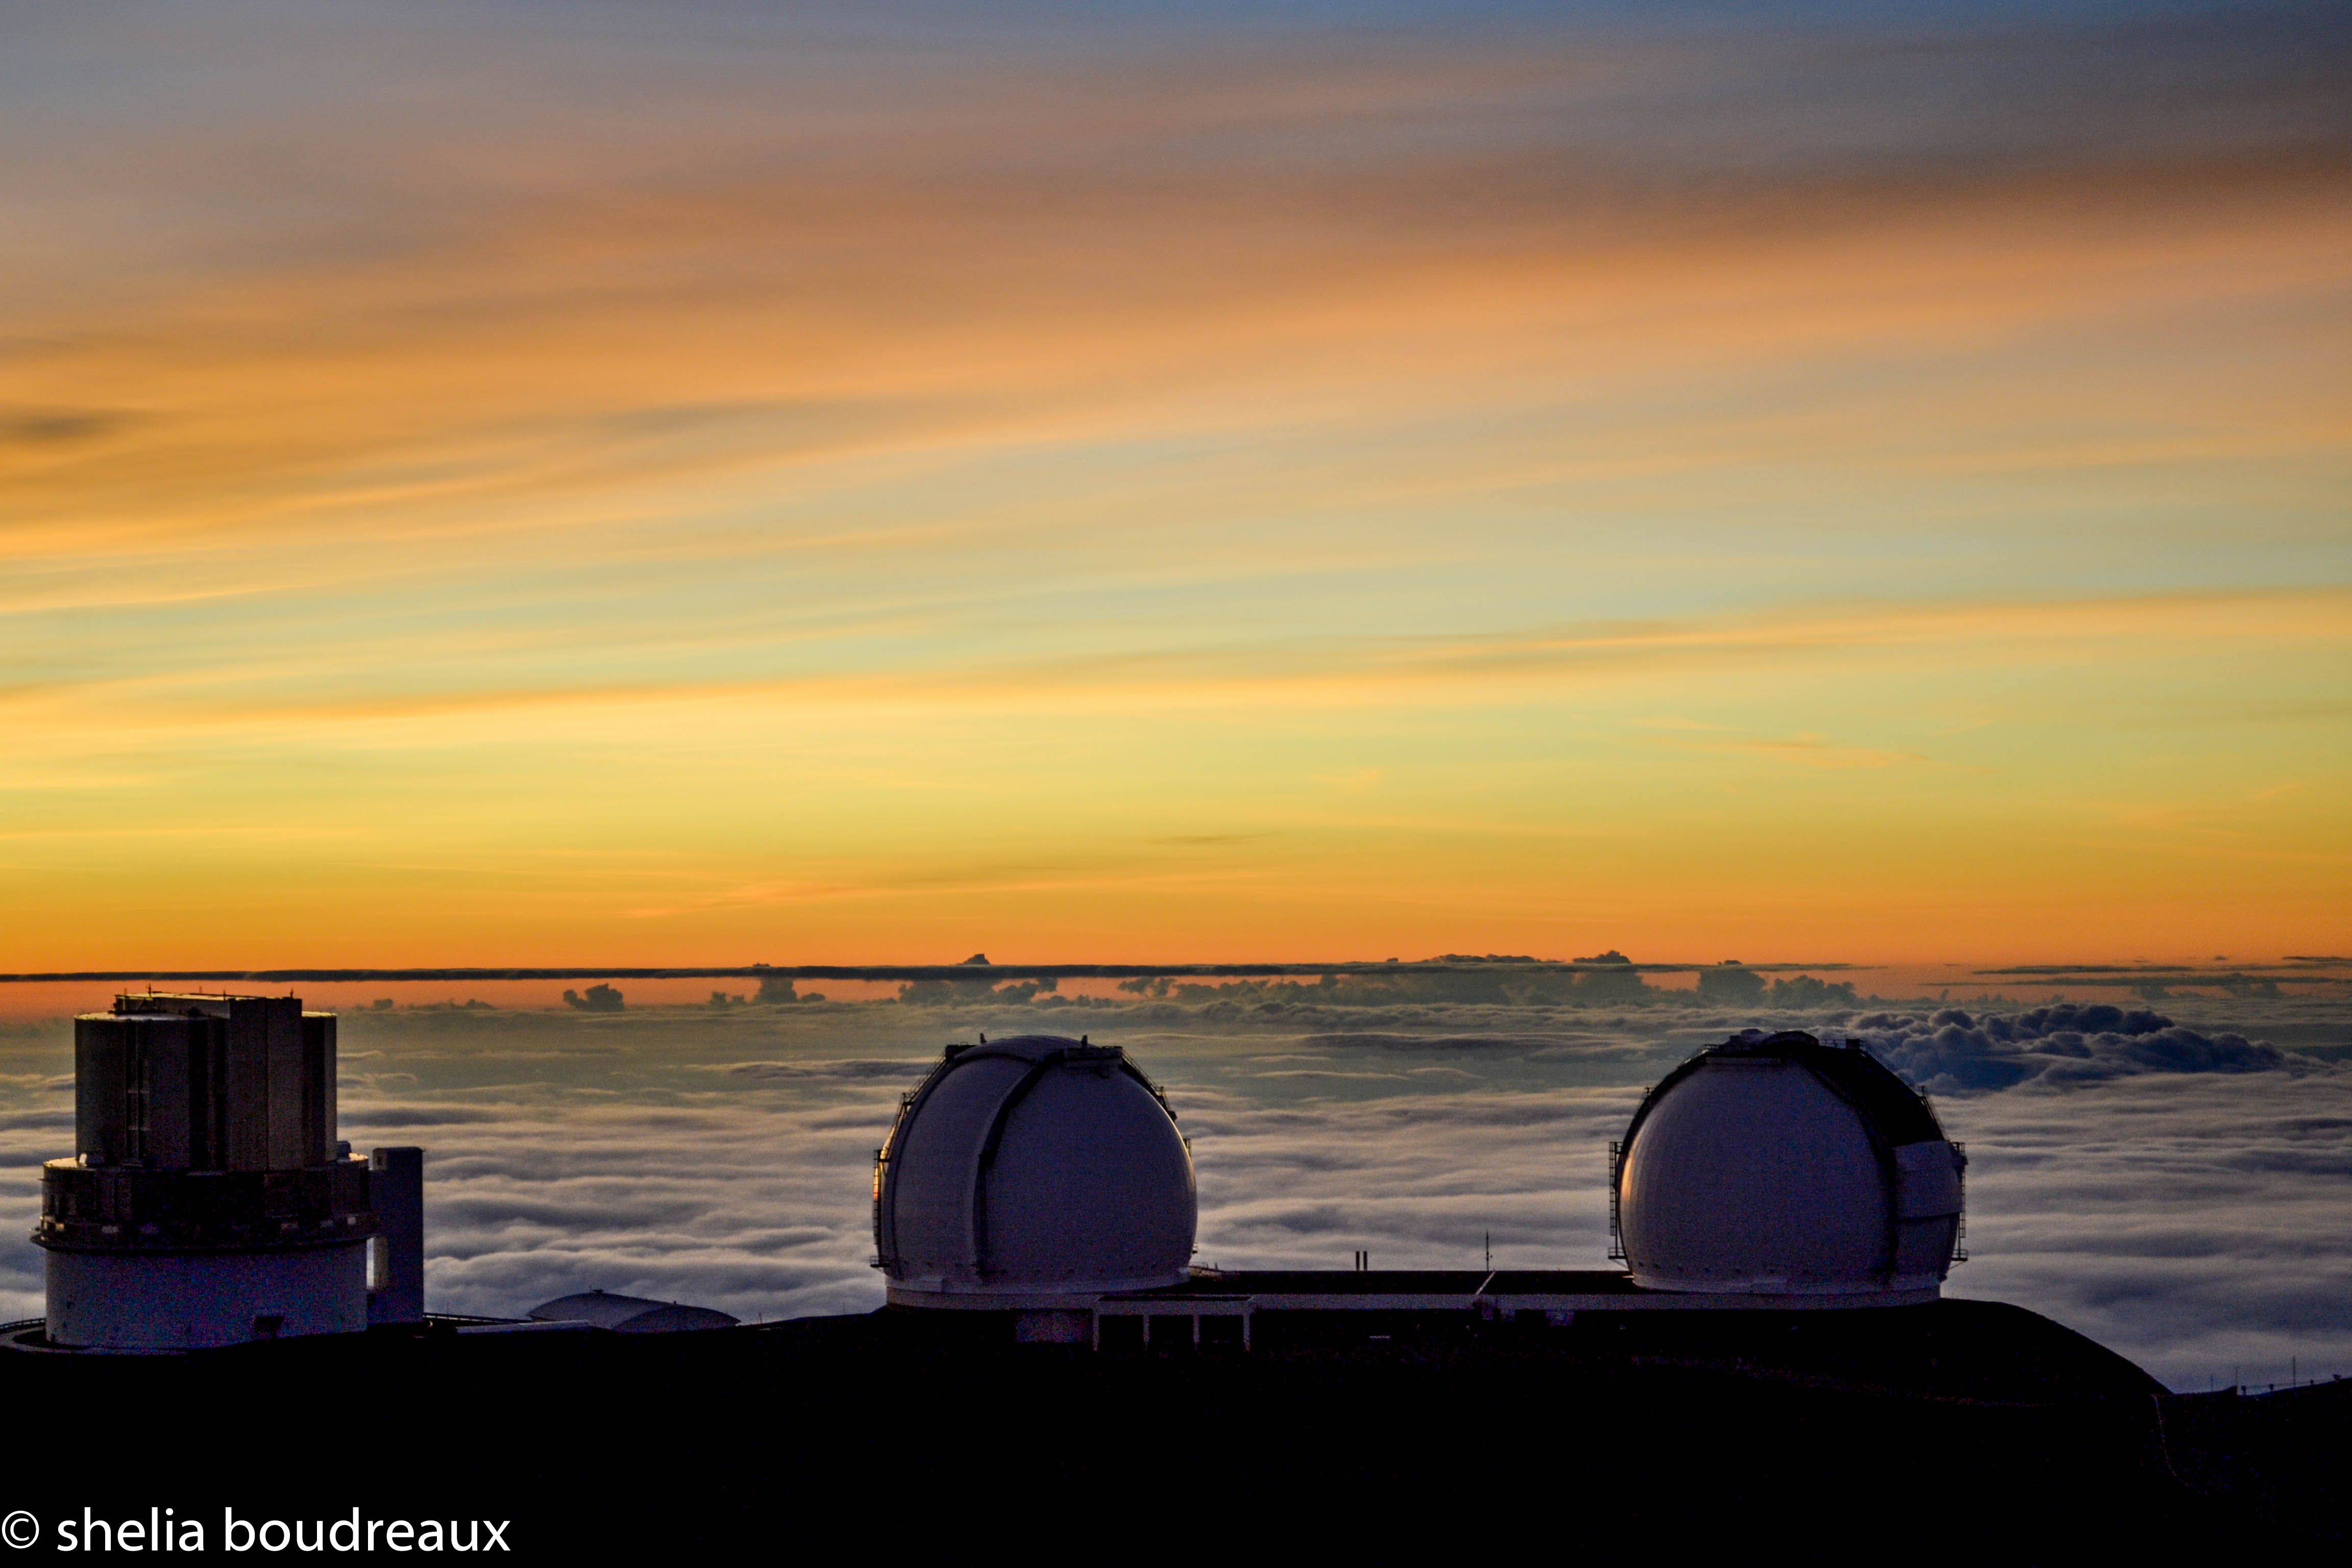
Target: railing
[
  {"x": 1616, "y": 1174},
  {"x": 1960, "y": 1221}
]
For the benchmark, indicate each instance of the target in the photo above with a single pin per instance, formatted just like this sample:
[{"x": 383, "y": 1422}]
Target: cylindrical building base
[{"x": 124, "y": 1300}]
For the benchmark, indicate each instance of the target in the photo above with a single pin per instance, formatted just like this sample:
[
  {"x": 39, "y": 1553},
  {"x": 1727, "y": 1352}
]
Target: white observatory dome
[
  {"x": 1030, "y": 1173},
  {"x": 1775, "y": 1165}
]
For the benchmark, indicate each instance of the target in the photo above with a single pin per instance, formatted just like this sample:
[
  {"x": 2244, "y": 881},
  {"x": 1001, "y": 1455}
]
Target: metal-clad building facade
[{"x": 208, "y": 1200}]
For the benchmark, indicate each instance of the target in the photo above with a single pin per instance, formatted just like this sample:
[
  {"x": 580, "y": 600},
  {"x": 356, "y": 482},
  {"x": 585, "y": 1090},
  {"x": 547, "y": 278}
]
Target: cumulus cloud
[
  {"x": 1953, "y": 1051},
  {"x": 882, "y": 1067},
  {"x": 366, "y": 1116},
  {"x": 1341, "y": 1073},
  {"x": 1379, "y": 1042}
]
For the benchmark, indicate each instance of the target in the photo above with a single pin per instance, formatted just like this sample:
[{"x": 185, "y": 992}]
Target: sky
[
  {"x": 2173, "y": 1183},
  {"x": 521, "y": 483}
]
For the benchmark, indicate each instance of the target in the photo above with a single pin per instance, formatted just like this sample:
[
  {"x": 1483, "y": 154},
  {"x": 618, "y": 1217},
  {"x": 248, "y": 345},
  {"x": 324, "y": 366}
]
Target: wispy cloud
[
  {"x": 1809, "y": 750},
  {"x": 851, "y": 452},
  {"x": 1319, "y": 671}
]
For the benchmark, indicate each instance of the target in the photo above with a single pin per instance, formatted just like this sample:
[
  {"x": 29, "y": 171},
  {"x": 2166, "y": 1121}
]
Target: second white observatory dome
[
  {"x": 1774, "y": 1165},
  {"x": 1033, "y": 1173}
]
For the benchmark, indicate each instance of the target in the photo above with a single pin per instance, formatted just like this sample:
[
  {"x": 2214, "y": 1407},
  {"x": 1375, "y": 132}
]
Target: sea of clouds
[{"x": 2175, "y": 1183}]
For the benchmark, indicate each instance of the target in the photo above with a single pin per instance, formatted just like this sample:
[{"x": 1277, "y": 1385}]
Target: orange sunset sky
[{"x": 518, "y": 484}]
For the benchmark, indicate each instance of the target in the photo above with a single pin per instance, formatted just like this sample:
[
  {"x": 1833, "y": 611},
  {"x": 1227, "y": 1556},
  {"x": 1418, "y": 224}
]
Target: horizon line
[{"x": 966, "y": 970}]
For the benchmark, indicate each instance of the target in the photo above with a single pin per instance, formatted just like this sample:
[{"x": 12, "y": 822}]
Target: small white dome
[
  {"x": 1031, "y": 1172},
  {"x": 1776, "y": 1164}
]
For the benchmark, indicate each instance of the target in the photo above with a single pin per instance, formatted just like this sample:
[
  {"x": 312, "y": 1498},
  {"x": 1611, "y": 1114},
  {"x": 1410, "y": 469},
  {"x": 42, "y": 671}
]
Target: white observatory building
[
  {"x": 209, "y": 1201},
  {"x": 1043, "y": 1180},
  {"x": 1033, "y": 1175},
  {"x": 1775, "y": 1165}
]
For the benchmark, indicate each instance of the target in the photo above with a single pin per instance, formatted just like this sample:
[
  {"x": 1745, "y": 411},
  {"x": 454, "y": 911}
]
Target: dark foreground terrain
[{"x": 1961, "y": 1428}]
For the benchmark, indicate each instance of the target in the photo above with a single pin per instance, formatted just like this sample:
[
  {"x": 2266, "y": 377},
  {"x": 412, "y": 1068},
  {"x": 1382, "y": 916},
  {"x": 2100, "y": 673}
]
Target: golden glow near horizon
[{"x": 468, "y": 496}]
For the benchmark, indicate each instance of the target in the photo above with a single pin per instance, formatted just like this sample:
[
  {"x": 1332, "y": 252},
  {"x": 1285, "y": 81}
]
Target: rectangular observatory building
[{"x": 208, "y": 1200}]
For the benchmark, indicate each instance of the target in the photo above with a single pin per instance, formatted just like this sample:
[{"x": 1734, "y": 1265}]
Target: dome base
[
  {"x": 1073, "y": 1296},
  {"x": 1760, "y": 1294}
]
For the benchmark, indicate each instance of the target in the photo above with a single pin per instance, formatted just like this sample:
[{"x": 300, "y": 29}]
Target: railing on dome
[{"x": 1616, "y": 1169}]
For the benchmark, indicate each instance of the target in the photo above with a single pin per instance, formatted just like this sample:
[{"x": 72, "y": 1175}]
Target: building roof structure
[{"x": 629, "y": 1315}]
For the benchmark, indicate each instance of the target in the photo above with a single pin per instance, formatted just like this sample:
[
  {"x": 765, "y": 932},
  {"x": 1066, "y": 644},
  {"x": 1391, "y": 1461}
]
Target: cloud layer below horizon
[{"x": 2188, "y": 1210}]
